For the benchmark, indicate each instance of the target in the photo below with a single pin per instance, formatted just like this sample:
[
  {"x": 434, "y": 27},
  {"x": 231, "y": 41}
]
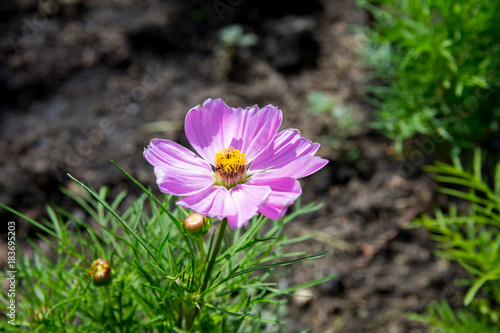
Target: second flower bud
[{"x": 196, "y": 225}]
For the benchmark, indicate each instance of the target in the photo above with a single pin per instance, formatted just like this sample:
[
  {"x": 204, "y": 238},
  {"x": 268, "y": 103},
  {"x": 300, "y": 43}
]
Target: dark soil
[{"x": 84, "y": 82}]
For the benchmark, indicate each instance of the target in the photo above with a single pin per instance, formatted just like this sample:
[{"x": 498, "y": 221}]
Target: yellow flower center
[
  {"x": 230, "y": 167},
  {"x": 230, "y": 160}
]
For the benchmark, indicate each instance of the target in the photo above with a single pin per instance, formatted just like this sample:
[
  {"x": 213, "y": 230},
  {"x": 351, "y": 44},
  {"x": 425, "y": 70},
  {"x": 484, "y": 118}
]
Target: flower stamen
[{"x": 230, "y": 167}]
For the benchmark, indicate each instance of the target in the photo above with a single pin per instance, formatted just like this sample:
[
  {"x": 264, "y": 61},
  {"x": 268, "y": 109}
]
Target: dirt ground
[{"x": 84, "y": 82}]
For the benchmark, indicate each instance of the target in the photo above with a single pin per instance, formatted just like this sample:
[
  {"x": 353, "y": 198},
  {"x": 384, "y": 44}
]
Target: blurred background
[{"x": 86, "y": 82}]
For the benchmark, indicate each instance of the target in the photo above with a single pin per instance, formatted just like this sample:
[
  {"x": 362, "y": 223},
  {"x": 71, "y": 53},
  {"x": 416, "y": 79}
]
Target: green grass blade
[
  {"x": 301, "y": 286},
  {"x": 270, "y": 266},
  {"x": 123, "y": 223},
  {"x": 35, "y": 223}
]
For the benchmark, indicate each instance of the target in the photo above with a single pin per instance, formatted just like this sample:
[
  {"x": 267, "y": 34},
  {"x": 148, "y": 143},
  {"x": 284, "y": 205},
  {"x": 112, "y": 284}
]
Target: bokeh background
[{"x": 86, "y": 82}]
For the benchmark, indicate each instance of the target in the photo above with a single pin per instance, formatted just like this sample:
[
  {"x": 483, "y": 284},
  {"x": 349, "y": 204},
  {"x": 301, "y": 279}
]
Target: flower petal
[
  {"x": 287, "y": 146},
  {"x": 215, "y": 126},
  {"x": 285, "y": 191},
  {"x": 300, "y": 167},
  {"x": 247, "y": 199},
  {"x": 178, "y": 170},
  {"x": 214, "y": 201}
]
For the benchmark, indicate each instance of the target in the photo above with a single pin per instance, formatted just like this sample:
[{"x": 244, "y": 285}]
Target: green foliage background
[
  {"x": 156, "y": 268},
  {"x": 472, "y": 240},
  {"x": 438, "y": 62}
]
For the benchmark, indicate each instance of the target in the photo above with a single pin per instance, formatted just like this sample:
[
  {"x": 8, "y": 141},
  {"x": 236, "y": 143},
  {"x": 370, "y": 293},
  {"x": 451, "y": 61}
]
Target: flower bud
[
  {"x": 196, "y": 224},
  {"x": 100, "y": 272},
  {"x": 39, "y": 314},
  {"x": 189, "y": 284}
]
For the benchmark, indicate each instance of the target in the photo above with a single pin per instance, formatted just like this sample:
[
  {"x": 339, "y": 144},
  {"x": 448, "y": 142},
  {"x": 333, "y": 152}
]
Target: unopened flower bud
[
  {"x": 39, "y": 314},
  {"x": 196, "y": 224},
  {"x": 100, "y": 272},
  {"x": 189, "y": 284}
]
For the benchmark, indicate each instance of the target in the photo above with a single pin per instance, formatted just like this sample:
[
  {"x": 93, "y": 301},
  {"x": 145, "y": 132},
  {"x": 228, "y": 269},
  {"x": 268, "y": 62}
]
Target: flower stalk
[
  {"x": 213, "y": 256},
  {"x": 190, "y": 310},
  {"x": 202, "y": 250}
]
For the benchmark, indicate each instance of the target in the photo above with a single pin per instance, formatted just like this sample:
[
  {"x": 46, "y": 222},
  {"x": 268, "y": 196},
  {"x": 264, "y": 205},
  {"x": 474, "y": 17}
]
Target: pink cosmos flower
[{"x": 243, "y": 166}]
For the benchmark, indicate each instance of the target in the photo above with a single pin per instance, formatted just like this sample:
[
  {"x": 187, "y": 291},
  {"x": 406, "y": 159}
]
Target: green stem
[
  {"x": 215, "y": 252},
  {"x": 191, "y": 313},
  {"x": 179, "y": 318},
  {"x": 202, "y": 250}
]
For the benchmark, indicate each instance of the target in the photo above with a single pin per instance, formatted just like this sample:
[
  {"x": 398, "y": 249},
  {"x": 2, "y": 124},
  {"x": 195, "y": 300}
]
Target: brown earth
[{"x": 83, "y": 82}]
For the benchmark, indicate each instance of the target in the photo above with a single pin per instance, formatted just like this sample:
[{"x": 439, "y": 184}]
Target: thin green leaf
[
  {"x": 477, "y": 161},
  {"x": 64, "y": 302},
  {"x": 35, "y": 223},
  {"x": 161, "y": 290},
  {"x": 471, "y": 293},
  {"x": 232, "y": 314},
  {"x": 270, "y": 266},
  {"x": 301, "y": 286},
  {"x": 123, "y": 223}
]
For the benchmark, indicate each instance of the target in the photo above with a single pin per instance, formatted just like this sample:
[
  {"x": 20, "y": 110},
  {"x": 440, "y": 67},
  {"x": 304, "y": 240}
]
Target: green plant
[
  {"x": 439, "y": 64},
  {"x": 232, "y": 36},
  {"x": 343, "y": 123},
  {"x": 472, "y": 240},
  {"x": 442, "y": 319},
  {"x": 156, "y": 270},
  {"x": 232, "y": 40}
]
